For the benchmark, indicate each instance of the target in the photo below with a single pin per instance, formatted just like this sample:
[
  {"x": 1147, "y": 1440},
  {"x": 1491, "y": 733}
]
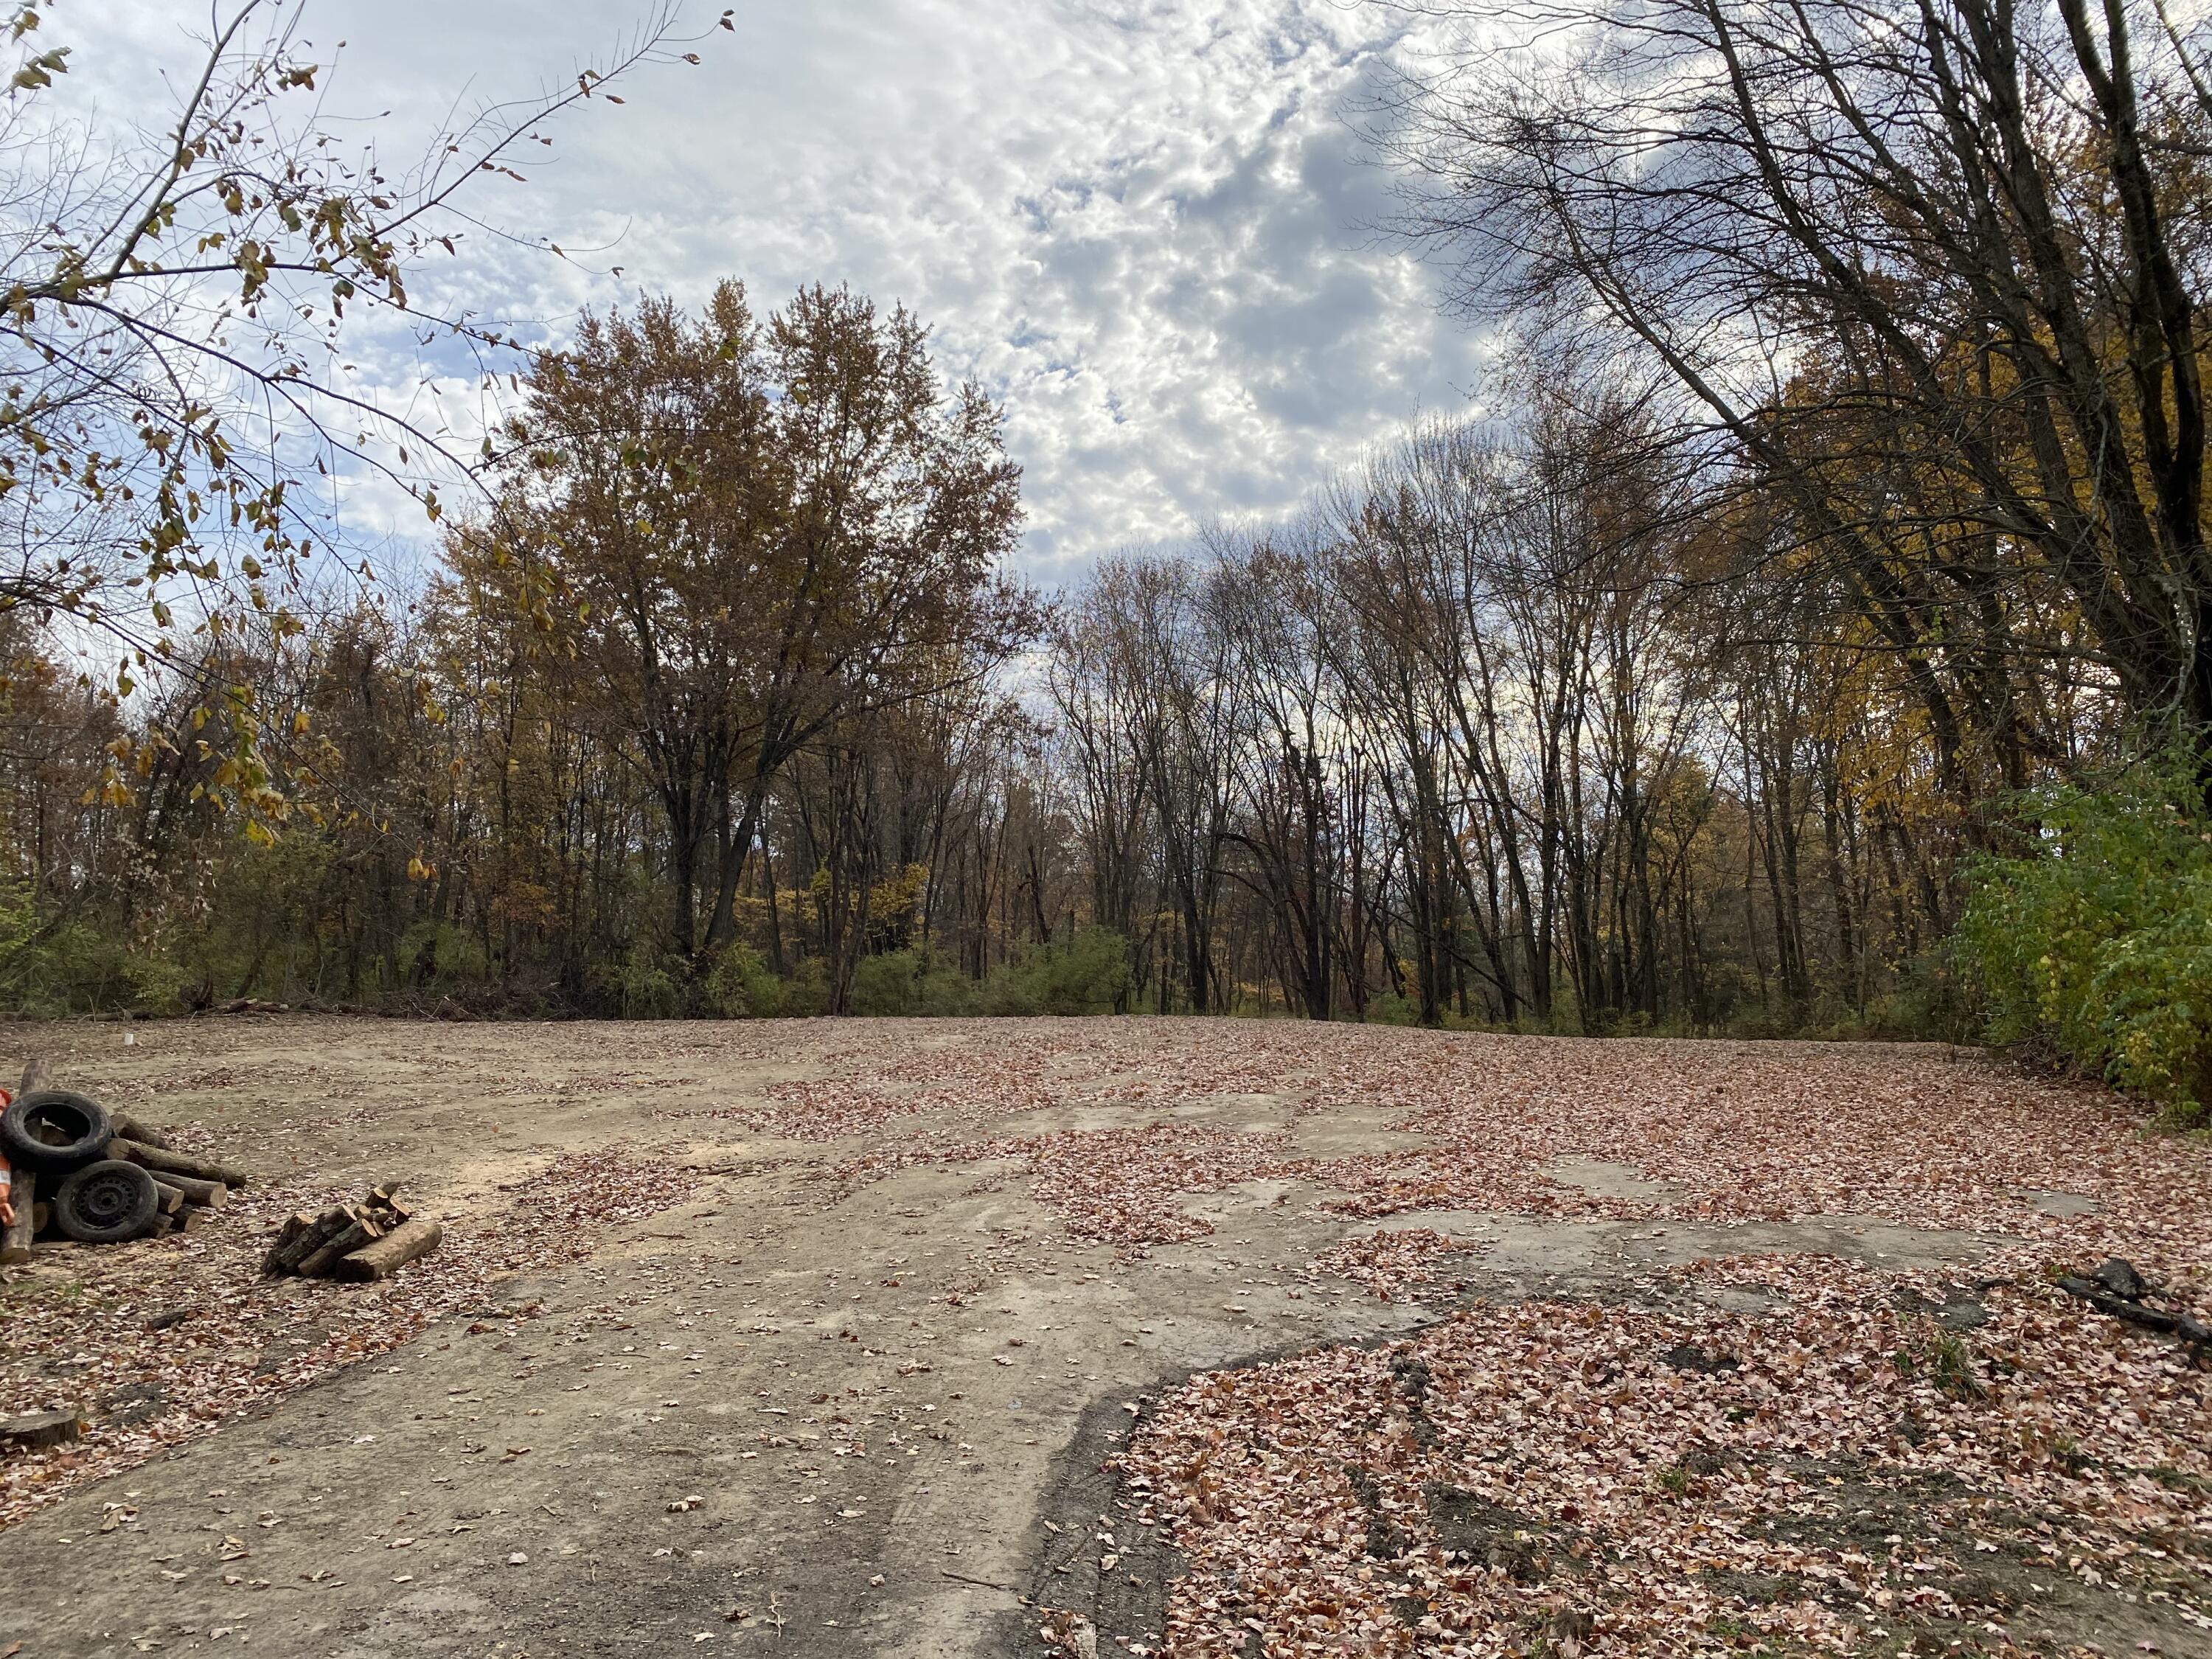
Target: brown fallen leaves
[
  {"x": 1641, "y": 1480},
  {"x": 243, "y": 1340},
  {"x": 1739, "y": 1130},
  {"x": 1848, "y": 1470},
  {"x": 1657, "y": 1474},
  {"x": 1123, "y": 1186},
  {"x": 1388, "y": 1263}
]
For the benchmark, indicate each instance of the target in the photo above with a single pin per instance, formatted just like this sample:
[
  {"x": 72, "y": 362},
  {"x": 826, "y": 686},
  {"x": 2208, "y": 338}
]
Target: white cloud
[{"x": 1140, "y": 223}]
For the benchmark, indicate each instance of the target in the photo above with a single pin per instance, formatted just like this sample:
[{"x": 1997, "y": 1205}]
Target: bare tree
[{"x": 1928, "y": 278}]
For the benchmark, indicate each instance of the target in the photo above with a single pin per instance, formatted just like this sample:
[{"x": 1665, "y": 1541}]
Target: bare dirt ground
[{"x": 1161, "y": 1336}]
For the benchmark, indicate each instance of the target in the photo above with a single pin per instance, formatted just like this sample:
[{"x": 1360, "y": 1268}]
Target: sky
[{"x": 1147, "y": 227}]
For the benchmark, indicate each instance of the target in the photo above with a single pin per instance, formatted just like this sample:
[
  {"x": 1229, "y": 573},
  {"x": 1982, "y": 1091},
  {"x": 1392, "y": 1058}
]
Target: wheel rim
[{"x": 105, "y": 1199}]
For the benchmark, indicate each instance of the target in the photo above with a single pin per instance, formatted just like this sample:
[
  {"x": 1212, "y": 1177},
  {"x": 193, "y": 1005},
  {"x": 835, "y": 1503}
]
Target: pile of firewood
[
  {"x": 83, "y": 1175},
  {"x": 370, "y": 1240}
]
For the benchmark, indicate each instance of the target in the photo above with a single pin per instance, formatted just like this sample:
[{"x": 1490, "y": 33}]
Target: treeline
[
  {"x": 709, "y": 719},
  {"x": 1493, "y": 735},
  {"x": 707, "y": 700},
  {"x": 1832, "y": 531}
]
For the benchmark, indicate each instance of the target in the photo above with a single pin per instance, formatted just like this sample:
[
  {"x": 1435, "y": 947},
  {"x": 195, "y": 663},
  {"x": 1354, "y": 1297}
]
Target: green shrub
[
  {"x": 2099, "y": 941},
  {"x": 55, "y": 966},
  {"x": 1925, "y": 1002},
  {"x": 1389, "y": 1008},
  {"x": 918, "y": 981},
  {"x": 158, "y": 981},
  {"x": 436, "y": 955},
  {"x": 739, "y": 985},
  {"x": 807, "y": 991},
  {"x": 1090, "y": 974},
  {"x": 643, "y": 986}
]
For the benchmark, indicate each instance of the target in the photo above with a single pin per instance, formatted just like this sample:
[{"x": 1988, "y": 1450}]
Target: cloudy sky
[{"x": 1145, "y": 225}]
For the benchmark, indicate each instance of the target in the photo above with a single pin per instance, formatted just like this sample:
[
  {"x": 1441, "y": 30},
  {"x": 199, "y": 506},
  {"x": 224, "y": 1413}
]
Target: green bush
[
  {"x": 807, "y": 993},
  {"x": 643, "y": 986},
  {"x": 739, "y": 985},
  {"x": 1389, "y": 1008},
  {"x": 1924, "y": 1003},
  {"x": 1090, "y": 974},
  {"x": 438, "y": 956},
  {"x": 158, "y": 981},
  {"x": 2098, "y": 942},
  {"x": 918, "y": 981},
  {"x": 51, "y": 966}
]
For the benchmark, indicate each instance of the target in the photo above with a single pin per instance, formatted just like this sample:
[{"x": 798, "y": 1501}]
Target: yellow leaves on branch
[{"x": 40, "y": 71}]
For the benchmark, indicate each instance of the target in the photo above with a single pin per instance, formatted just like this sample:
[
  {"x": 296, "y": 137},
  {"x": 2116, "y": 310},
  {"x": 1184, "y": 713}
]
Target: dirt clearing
[{"x": 1161, "y": 1336}]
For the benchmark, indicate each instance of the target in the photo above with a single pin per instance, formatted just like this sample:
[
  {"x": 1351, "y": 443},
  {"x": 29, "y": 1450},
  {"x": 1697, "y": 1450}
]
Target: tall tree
[
  {"x": 740, "y": 534},
  {"x": 1930, "y": 279}
]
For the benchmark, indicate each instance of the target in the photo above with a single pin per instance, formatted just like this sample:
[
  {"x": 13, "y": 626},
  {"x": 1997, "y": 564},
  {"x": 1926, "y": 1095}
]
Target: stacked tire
[{"x": 64, "y": 1138}]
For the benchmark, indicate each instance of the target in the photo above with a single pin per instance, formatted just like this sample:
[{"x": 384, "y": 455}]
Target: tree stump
[{"x": 39, "y": 1430}]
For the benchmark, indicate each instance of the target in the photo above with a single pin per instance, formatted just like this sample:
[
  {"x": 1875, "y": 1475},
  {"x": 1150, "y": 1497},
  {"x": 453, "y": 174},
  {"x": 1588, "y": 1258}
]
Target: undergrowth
[{"x": 2095, "y": 941}]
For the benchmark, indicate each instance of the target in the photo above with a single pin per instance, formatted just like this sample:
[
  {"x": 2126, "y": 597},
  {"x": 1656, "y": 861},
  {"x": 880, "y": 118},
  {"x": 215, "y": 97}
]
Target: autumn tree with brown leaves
[{"x": 738, "y": 535}]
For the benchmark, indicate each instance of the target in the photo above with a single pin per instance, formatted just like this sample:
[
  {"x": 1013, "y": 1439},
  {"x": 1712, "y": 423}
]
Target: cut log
[
  {"x": 167, "y": 1199},
  {"x": 145, "y": 1134},
  {"x": 308, "y": 1240},
  {"x": 362, "y": 1232},
  {"x": 288, "y": 1234},
  {"x": 390, "y": 1213},
  {"x": 15, "y": 1238},
  {"x": 159, "y": 1227},
  {"x": 194, "y": 1218},
  {"x": 209, "y": 1195},
  {"x": 18, "y": 1233},
  {"x": 167, "y": 1163},
  {"x": 393, "y": 1252},
  {"x": 42, "y": 1215},
  {"x": 42, "y": 1429},
  {"x": 328, "y": 1225}
]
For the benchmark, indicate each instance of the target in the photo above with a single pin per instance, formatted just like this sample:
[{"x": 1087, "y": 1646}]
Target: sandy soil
[{"x": 845, "y": 1337}]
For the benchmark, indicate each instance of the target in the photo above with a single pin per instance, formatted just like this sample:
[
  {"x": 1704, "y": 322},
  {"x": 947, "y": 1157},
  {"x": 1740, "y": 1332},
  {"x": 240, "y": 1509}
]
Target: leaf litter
[
  {"x": 1884, "y": 1459},
  {"x": 164, "y": 1339}
]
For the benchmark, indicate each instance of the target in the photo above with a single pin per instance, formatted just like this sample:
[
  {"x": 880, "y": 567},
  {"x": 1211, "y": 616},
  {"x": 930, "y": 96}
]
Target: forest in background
[
  {"x": 1488, "y": 736},
  {"x": 1806, "y": 632}
]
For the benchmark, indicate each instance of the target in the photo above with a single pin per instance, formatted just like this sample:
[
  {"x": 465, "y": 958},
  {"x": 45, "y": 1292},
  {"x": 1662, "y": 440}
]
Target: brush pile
[
  {"x": 83, "y": 1175},
  {"x": 361, "y": 1241}
]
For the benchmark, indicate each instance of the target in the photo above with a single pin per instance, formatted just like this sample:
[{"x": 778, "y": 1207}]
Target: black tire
[
  {"x": 107, "y": 1202},
  {"x": 55, "y": 1130}
]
